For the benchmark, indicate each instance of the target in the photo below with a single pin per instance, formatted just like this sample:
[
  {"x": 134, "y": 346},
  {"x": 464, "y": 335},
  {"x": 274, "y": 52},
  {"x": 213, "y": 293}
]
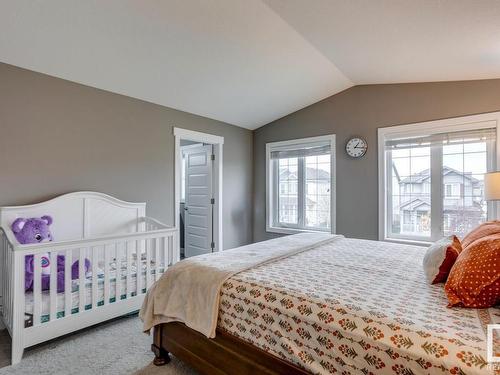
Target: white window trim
[
  {"x": 463, "y": 123},
  {"x": 269, "y": 185}
]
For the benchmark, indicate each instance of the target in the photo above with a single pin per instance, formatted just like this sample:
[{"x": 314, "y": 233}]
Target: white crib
[{"x": 127, "y": 250}]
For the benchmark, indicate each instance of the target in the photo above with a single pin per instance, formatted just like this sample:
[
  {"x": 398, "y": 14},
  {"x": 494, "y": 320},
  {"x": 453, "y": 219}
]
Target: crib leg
[{"x": 16, "y": 351}]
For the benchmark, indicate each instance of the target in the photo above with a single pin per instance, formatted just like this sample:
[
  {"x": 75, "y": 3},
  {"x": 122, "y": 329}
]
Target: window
[
  {"x": 300, "y": 185},
  {"x": 452, "y": 190},
  {"x": 432, "y": 177}
]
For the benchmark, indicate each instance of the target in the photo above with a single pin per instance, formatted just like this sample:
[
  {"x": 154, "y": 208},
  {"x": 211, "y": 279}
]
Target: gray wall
[
  {"x": 57, "y": 137},
  {"x": 360, "y": 111}
]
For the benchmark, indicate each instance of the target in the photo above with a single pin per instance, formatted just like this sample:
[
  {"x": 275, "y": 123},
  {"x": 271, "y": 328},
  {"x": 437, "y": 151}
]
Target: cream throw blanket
[{"x": 189, "y": 291}]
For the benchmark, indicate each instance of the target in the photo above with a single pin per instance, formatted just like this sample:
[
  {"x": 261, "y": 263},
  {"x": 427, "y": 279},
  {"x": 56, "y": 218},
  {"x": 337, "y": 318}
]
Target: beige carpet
[
  {"x": 117, "y": 347},
  {"x": 174, "y": 367}
]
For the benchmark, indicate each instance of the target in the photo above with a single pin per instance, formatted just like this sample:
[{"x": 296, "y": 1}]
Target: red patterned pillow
[
  {"x": 474, "y": 280},
  {"x": 439, "y": 259},
  {"x": 483, "y": 230}
]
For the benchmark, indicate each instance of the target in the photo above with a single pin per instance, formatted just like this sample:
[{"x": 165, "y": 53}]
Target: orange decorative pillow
[
  {"x": 483, "y": 230},
  {"x": 439, "y": 259},
  {"x": 474, "y": 280}
]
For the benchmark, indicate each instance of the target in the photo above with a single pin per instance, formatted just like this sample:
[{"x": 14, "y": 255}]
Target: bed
[{"x": 340, "y": 306}]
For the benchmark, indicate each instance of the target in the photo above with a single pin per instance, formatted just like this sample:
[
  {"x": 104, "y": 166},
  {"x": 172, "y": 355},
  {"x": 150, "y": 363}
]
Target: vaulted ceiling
[{"x": 249, "y": 62}]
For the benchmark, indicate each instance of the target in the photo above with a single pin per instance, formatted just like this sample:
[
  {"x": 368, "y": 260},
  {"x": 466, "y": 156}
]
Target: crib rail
[
  {"x": 7, "y": 282},
  {"x": 120, "y": 268}
]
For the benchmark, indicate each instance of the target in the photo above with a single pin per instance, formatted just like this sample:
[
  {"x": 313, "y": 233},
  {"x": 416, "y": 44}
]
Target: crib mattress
[{"x": 75, "y": 293}]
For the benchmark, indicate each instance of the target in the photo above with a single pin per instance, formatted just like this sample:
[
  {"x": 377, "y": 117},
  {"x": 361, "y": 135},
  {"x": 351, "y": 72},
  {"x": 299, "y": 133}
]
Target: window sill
[
  {"x": 293, "y": 230},
  {"x": 407, "y": 242}
]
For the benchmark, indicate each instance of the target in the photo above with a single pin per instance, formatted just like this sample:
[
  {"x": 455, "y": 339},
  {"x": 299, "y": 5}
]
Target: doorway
[{"x": 198, "y": 192}]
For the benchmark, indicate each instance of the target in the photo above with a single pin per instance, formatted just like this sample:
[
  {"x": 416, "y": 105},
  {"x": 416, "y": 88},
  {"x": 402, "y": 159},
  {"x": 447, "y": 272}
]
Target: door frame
[{"x": 218, "y": 143}]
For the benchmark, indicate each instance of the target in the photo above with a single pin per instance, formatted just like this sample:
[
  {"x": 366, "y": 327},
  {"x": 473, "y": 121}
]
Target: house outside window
[
  {"x": 300, "y": 185},
  {"x": 431, "y": 177}
]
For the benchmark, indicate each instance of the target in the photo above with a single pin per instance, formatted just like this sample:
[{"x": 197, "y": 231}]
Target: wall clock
[{"x": 356, "y": 147}]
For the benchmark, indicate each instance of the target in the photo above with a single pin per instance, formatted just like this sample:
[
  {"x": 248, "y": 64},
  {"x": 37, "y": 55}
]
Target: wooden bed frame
[{"x": 222, "y": 355}]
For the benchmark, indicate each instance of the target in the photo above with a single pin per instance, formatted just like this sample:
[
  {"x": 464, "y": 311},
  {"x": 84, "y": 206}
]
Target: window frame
[
  {"x": 272, "y": 186},
  {"x": 456, "y": 124}
]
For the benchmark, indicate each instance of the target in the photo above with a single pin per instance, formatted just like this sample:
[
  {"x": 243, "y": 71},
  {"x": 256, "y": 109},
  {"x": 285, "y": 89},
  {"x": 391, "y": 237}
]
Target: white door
[{"x": 198, "y": 207}]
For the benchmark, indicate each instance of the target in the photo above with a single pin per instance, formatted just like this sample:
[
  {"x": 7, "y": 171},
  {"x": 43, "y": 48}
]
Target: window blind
[
  {"x": 461, "y": 137},
  {"x": 302, "y": 150}
]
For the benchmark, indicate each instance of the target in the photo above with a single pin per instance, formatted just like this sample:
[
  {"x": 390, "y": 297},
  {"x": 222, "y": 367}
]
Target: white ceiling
[
  {"x": 392, "y": 41},
  {"x": 249, "y": 62}
]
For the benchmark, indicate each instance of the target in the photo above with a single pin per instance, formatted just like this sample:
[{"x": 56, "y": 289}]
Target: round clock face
[{"x": 356, "y": 147}]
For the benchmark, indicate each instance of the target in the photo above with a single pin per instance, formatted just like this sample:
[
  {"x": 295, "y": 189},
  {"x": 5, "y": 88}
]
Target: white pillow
[{"x": 439, "y": 259}]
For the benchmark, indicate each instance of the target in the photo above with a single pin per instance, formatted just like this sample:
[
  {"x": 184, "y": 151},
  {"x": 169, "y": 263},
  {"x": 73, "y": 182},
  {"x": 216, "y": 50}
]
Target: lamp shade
[{"x": 492, "y": 186}]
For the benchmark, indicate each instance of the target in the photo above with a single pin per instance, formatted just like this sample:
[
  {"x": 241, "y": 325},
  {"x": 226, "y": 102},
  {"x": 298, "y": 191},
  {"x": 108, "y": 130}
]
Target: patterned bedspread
[{"x": 355, "y": 307}]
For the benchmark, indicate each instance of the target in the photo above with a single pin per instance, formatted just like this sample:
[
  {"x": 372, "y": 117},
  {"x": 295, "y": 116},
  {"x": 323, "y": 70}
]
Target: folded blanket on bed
[{"x": 189, "y": 291}]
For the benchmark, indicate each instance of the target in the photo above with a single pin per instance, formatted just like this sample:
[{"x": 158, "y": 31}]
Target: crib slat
[
  {"x": 157, "y": 258},
  {"x": 164, "y": 253},
  {"x": 148, "y": 263},
  {"x": 95, "y": 297},
  {"x": 4, "y": 275},
  {"x": 129, "y": 269},
  {"x": 118, "y": 283},
  {"x": 170, "y": 252},
  {"x": 10, "y": 301},
  {"x": 11, "y": 286},
  {"x": 37, "y": 297},
  {"x": 138, "y": 267},
  {"x": 106, "y": 274},
  {"x": 53, "y": 285},
  {"x": 10, "y": 298},
  {"x": 4, "y": 268},
  {"x": 68, "y": 260},
  {"x": 81, "y": 280},
  {"x": 7, "y": 270},
  {"x": 176, "y": 248}
]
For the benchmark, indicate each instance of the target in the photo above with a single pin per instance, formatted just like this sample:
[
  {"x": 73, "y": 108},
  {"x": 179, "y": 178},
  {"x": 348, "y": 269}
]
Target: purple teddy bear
[{"x": 36, "y": 230}]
